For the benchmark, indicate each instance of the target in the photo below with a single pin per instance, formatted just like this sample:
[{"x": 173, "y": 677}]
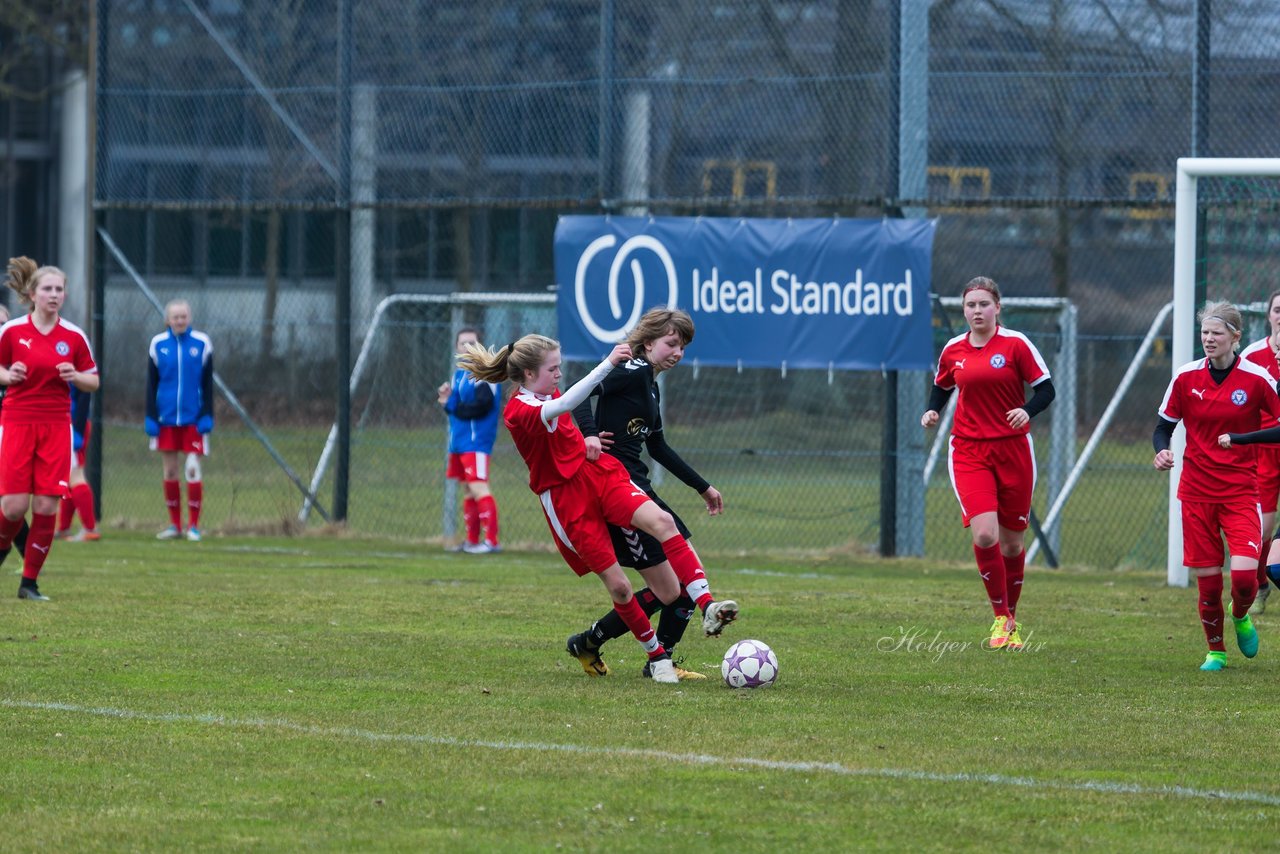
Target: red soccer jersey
[
  {"x": 553, "y": 452},
  {"x": 990, "y": 379},
  {"x": 42, "y": 397},
  {"x": 1246, "y": 398}
]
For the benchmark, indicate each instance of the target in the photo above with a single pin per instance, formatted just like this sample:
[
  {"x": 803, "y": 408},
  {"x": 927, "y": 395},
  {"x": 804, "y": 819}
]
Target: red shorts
[
  {"x": 1203, "y": 526},
  {"x": 35, "y": 459},
  {"x": 185, "y": 440},
  {"x": 84, "y": 446},
  {"x": 468, "y": 467},
  {"x": 580, "y": 510},
  {"x": 996, "y": 475},
  {"x": 1268, "y": 478}
]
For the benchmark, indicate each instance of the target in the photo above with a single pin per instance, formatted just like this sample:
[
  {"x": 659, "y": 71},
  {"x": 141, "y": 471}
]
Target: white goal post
[{"x": 1190, "y": 169}]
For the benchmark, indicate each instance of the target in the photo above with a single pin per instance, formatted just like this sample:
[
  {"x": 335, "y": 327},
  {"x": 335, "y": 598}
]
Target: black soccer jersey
[{"x": 628, "y": 407}]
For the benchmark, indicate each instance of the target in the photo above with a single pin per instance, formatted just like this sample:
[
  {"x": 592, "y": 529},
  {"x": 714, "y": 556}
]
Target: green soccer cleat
[
  {"x": 1215, "y": 660},
  {"x": 1015, "y": 638},
  {"x": 1246, "y": 634}
]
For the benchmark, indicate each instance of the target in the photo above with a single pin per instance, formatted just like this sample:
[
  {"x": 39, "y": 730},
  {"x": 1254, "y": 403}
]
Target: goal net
[{"x": 1227, "y": 235}]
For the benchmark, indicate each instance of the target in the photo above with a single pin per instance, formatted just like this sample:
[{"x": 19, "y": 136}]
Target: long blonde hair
[
  {"x": 657, "y": 323},
  {"x": 508, "y": 362},
  {"x": 23, "y": 275}
]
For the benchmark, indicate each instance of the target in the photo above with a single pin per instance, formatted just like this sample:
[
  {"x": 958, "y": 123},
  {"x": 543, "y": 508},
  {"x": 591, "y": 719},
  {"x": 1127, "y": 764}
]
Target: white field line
[{"x": 833, "y": 768}]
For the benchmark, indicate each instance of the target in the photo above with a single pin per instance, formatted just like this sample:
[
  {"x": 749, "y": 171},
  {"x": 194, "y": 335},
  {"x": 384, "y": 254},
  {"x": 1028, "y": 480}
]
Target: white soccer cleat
[
  {"x": 718, "y": 615},
  {"x": 662, "y": 670},
  {"x": 1260, "y": 604},
  {"x": 481, "y": 548},
  {"x": 169, "y": 533}
]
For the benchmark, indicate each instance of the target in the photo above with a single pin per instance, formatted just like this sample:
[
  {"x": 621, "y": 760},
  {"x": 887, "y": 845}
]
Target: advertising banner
[{"x": 801, "y": 293}]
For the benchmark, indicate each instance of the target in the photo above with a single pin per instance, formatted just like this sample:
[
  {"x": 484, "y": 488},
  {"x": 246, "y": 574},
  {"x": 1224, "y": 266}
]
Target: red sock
[
  {"x": 195, "y": 497},
  {"x": 8, "y": 530},
  {"x": 172, "y": 501},
  {"x": 38, "y": 543},
  {"x": 991, "y": 568},
  {"x": 1014, "y": 569},
  {"x": 471, "y": 518},
  {"x": 1210, "y": 599},
  {"x": 1244, "y": 589},
  {"x": 1262, "y": 564},
  {"x": 638, "y": 622},
  {"x": 688, "y": 569},
  {"x": 66, "y": 512},
  {"x": 82, "y": 497},
  {"x": 489, "y": 519}
]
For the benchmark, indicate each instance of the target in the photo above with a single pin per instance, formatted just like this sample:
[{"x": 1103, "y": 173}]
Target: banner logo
[{"x": 638, "y": 303}]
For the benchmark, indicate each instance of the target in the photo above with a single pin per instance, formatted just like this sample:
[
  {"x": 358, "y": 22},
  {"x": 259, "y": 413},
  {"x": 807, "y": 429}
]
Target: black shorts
[{"x": 639, "y": 549}]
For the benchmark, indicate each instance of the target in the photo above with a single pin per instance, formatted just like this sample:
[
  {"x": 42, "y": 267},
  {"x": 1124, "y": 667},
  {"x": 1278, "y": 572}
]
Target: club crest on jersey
[
  {"x": 193, "y": 351},
  {"x": 63, "y": 348},
  {"x": 1239, "y": 398},
  {"x": 998, "y": 361}
]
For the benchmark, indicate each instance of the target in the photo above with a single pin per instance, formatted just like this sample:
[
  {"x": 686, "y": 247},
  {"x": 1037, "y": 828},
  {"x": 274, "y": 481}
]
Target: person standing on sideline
[
  {"x": 1218, "y": 486},
  {"x": 473, "y": 427},
  {"x": 40, "y": 353},
  {"x": 581, "y": 497},
  {"x": 1264, "y": 353},
  {"x": 628, "y": 418},
  {"x": 990, "y": 456},
  {"x": 180, "y": 412},
  {"x": 80, "y": 501}
]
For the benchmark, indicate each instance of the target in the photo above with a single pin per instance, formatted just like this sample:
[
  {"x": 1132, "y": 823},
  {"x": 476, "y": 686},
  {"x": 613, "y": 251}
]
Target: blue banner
[{"x": 805, "y": 293}]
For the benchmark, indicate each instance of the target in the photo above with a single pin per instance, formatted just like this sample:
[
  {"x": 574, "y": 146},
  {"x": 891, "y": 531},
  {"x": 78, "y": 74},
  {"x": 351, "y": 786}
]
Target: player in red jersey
[
  {"x": 39, "y": 354},
  {"x": 1266, "y": 353},
  {"x": 1217, "y": 395},
  {"x": 990, "y": 456},
  {"x": 581, "y": 497}
]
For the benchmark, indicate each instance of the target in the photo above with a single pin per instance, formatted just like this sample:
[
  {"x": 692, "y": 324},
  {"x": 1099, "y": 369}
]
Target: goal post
[{"x": 1187, "y": 206}]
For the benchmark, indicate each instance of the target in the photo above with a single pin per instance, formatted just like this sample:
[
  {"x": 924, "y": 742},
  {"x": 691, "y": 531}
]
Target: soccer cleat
[
  {"x": 64, "y": 534},
  {"x": 718, "y": 615},
  {"x": 662, "y": 670},
  {"x": 85, "y": 537},
  {"x": 681, "y": 674},
  {"x": 193, "y": 534},
  {"x": 1001, "y": 629},
  {"x": 30, "y": 591},
  {"x": 1246, "y": 634},
  {"x": 1015, "y": 637},
  {"x": 1260, "y": 603},
  {"x": 1215, "y": 660},
  {"x": 170, "y": 533},
  {"x": 588, "y": 657},
  {"x": 477, "y": 548}
]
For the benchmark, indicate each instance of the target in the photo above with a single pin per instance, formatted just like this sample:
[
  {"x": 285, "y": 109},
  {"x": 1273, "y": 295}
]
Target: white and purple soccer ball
[{"x": 749, "y": 664}]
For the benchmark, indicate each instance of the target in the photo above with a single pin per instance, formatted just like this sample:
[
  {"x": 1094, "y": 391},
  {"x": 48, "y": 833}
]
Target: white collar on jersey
[{"x": 533, "y": 394}]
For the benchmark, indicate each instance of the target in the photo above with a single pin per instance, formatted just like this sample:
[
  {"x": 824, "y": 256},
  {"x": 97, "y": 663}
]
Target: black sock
[
  {"x": 674, "y": 621},
  {"x": 611, "y": 626},
  {"x": 20, "y": 539}
]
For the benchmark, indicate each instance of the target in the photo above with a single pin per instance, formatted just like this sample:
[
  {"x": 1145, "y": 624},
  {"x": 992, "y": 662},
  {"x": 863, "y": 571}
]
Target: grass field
[{"x": 331, "y": 693}]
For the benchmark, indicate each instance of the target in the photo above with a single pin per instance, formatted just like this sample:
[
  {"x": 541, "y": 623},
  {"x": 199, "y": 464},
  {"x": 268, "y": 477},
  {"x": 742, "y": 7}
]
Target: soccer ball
[{"x": 749, "y": 664}]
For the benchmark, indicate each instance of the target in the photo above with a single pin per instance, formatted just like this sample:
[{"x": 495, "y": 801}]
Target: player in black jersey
[{"x": 626, "y": 420}]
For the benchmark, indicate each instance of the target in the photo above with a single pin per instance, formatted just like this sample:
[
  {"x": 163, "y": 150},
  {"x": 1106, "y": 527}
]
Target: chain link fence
[{"x": 1050, "y": 131}]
